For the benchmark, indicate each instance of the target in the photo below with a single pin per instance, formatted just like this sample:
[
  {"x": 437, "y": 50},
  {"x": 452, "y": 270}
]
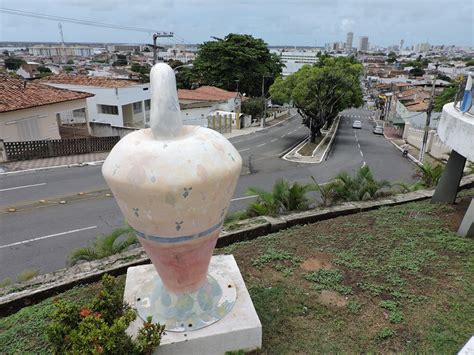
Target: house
[
  {"x": 198, "y": 104},
  {"x": 28, "y": 70},
  {"x": 120, "y": 102},
  {"x": 30, "y": 110}
]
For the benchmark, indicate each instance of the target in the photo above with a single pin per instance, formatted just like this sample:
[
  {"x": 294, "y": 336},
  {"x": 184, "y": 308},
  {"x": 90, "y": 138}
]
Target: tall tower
[
  {"x": 401, "y": 44},
  {"x": 349, "y": 38},
  {"x": 363, "y": 44}
]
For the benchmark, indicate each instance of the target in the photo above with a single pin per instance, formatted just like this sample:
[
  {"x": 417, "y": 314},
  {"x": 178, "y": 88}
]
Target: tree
[
  {"x": 321, "y": 91},
  {"x": 417, "y": 71},
  {"x": 470, "y": 63},
  {"x": 236, "y": 57},
  {"x": 253, "y": 106},
  {"x": 448, "y": 95},
  {"x": 44, "y": 70},
  {"x": 68, "y": 69},
  {"x": 70, "y": 61},
  {"x": 392, "y": 57},
  {"x": 186, "y": 78},
  {"x": 174, "y": 63},
  {"x": 13, "y": 63}
]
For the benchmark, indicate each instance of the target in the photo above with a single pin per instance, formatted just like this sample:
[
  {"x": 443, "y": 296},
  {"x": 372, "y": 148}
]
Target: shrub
[
  {"x": 429, "y": 174},
  {"x": 100, "y": 326},
  {"x": 104, "y": 246}
]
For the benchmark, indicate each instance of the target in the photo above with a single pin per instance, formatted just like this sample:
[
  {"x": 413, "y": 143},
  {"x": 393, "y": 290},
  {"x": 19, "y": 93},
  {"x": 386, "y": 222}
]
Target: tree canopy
[
  {"x": 237, "y": 57},
  {"x": 321, "y": 91}
]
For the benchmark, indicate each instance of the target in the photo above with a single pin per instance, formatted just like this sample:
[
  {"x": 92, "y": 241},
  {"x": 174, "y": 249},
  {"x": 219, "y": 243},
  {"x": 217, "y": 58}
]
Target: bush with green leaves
[
  {"x": 429, "y": 174},
  {"x": 100, "y": 326},
  {"x": 104, "y": 246},
  {"x": 359, "y": 186},
  {"x": 284, "y": 197}
]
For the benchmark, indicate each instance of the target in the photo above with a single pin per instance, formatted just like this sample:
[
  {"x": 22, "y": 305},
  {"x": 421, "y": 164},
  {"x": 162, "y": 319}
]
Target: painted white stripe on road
[
  {"x": 361, "y": 154},
  {"x": 47, "y": 237},
  {"x": 283, "y": 136},
  {"x": 243, "y": 198},
  {"x": 273, "y": 140},
  {"x": 243, "y": 150},
  {"x": 23, "y": 187},
  {"x": 261, "y": 145}
]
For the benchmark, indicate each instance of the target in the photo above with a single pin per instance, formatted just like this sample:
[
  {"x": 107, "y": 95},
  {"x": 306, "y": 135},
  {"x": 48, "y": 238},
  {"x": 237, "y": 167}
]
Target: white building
[
  {"x": 363, "y": 44},
  {"x": 59, "y": 51},
  {"x": 120, "y": 102},
  {"x": 294, "y": 60},
  {"x": 349, "y": 38},
  {"x": 422, "y": 47}
]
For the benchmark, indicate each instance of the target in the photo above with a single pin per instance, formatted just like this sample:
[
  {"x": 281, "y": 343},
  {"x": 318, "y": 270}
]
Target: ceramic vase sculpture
[{"x": 173, "y": 183}]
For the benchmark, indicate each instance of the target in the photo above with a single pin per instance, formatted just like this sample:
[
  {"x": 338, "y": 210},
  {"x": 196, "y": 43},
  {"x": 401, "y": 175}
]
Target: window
[
  {"x": 147, "y": 105},
  {"x": 28, "y": 129},
  {"x": 108, "y": 109},
  {"x": 137, "y": 107}
]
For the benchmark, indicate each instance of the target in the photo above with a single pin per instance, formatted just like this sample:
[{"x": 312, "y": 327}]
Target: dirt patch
[
  {"x": 332, "y": 299},
  {"x": 317, "y": 262}
]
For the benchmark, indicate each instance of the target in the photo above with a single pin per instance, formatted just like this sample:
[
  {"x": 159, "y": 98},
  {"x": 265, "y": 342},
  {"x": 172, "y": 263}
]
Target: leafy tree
[
  {"x": 68, "y": 69},
  {"x": 70, "y": 61},
  {"x": 321, "y": 91},
  {"x": 417, "y": 71},
  {"x": 121, "y": 60},
  {"x": 253, "y": 106},
  {"x": 173, "y": 63},
  {"x": 44, "y": 70},
  {"x": 444, "y": 77},
  {"x": 448, "y": 95},
  {"x": 392, "y": 57},
  {"x": 470, "y": 63},
  {"x": 236, "y": 57},
  {"x": 13, "y": 63}
]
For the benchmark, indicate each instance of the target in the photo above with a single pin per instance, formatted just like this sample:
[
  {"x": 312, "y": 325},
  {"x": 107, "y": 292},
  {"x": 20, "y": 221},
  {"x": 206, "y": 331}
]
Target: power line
[{"x": 76, "y": 21}]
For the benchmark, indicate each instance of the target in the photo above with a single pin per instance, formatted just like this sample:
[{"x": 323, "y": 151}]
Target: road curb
[
  {"x": 16, "y": 296},
  {"x": 409, "y": 156}
]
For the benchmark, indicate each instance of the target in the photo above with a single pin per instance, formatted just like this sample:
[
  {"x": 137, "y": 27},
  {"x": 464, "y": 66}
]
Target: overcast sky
[{"x": 278, "y": 22}]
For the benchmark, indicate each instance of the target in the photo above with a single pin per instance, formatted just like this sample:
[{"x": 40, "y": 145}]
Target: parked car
[
  {"x": 378, "y": 130},
  {"x": 357, "y": 124}
]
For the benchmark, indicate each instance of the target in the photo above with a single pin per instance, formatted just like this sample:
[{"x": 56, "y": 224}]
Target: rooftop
[
  {"x": 84, "y": 80},
  {"x": 17, "y": 94},
  {"x": 206, "y": 93}
]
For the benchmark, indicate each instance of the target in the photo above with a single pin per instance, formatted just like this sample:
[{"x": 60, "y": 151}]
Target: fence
[
  {"x": 57, "y": 147},
  {"x": 221, "y": 124}
]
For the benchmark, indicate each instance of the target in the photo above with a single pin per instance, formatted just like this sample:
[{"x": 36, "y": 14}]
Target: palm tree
[
  {"x": 327, "y": 191},
  {"x": 359, "y": 186},
  {"x": 404, "y": 187},
  {"x": 429, "y": 174},
  {"x": 104, "y": 245},
  {"x": 284, "y": 197}
]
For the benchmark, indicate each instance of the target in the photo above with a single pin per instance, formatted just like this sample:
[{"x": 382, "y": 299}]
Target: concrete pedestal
[
  {"x": 238, "y": 330},
  {"x": 448, "y": 185}
]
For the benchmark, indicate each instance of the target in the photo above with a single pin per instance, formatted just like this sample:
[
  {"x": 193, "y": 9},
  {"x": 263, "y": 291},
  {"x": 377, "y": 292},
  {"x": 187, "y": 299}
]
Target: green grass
[{"x": 399, "y": 280}]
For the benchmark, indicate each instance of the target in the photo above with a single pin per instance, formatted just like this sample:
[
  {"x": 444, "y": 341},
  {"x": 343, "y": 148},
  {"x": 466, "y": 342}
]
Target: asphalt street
[{"x": 42, "y": 238}]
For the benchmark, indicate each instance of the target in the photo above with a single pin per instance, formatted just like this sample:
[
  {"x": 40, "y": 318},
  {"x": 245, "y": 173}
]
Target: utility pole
[
  {"x": 63, "y": 45},
  {"x": 262, "y": 121},
  {"x": 155, "y": 37},
  {"x": 428, "y": 117}
]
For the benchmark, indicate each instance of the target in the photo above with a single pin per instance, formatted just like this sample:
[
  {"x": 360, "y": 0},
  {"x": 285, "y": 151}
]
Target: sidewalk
[
  {"x": 77, "y": 160},
  {"x": 413, "y": 153}
]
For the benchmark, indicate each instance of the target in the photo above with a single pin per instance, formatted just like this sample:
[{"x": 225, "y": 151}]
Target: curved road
[{"x": 41, "y": 238}]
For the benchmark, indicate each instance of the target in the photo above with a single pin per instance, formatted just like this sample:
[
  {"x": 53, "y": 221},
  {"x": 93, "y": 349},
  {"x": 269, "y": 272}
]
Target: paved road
[{"x": 42, "y": 238}]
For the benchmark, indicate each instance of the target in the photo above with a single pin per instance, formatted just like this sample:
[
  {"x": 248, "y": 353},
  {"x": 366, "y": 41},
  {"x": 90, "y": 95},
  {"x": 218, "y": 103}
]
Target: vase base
[{"x": 187, "y": 311}]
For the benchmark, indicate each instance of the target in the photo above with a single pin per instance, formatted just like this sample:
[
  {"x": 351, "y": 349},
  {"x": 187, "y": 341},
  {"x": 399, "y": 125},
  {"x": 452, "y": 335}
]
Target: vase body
[{"x": 175, "y": 192}]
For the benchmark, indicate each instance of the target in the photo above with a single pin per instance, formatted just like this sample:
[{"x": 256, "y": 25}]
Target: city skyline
[{"x": 309, "y": 24}]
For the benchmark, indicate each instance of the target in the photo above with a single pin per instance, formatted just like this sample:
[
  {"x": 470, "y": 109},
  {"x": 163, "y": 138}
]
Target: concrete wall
[
  {"x": 42, "y": 118},
  {"x": 99, "y": 129},
  {"x": 434, "y": 146}
]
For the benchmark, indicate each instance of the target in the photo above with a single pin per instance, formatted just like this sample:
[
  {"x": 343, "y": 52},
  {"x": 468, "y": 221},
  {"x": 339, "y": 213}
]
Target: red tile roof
[
  {"x": 206, "y": 93},
  {"x": 16, "y": 94},
  {"x": 84, "y": 80}
]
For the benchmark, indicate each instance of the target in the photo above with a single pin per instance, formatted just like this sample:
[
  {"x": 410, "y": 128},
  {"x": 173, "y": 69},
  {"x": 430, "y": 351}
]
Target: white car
[
  {"x": 378, "y": 130},
  {"x": 357, "y": 124}
]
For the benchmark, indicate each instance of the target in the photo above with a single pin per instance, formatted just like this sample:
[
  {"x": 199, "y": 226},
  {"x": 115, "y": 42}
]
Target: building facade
[
  {"x": 363, "y": 44},
  {"x": 349, "y": 38}
]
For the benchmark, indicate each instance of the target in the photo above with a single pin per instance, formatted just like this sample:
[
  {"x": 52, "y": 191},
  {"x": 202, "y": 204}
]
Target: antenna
[{"x": 63, "y": 45}]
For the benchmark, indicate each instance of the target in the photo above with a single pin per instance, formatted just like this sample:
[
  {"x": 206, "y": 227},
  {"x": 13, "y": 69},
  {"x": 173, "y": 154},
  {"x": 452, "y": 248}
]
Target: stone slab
[
  {"x": 466, "y": 229},
  {"x": 239, "y": 330}
]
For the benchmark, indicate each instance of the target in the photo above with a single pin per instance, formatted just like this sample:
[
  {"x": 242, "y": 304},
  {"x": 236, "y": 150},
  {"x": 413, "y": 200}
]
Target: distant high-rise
[
  {"x": 401, "y": 44},
  {"x": 422, "y": 47},
  {"x": 363, "y": 44},
  {"x": 349, "y": 39}
]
